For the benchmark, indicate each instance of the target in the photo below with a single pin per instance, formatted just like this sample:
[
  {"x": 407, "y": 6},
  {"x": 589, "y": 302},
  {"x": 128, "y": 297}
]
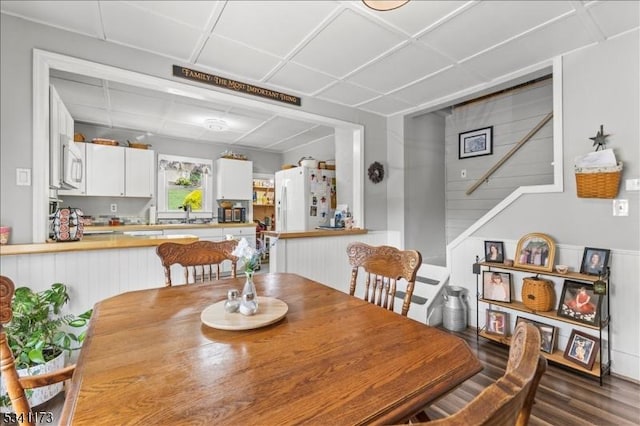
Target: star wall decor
[{"x": 600, "y": 139}]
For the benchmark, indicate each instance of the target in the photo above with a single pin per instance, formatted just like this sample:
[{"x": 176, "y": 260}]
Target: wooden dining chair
[
  {"x": 383, "y": 265},
  {"x": 510, "y": 399},
  {"x": 198, "y": 259},
  {"x": 16, "y": 385}
]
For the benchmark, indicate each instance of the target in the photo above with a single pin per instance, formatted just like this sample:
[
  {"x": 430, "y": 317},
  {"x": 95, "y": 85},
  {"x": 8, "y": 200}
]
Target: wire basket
[{"x": 598, "y": 182}]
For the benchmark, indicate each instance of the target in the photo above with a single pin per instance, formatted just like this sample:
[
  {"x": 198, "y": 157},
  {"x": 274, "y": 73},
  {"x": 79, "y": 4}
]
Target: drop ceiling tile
[
  {"x": 400, "y": 68},
  {"x": 127, "y": 120},
  {"x": 236, "y": 59},
  {"x": 489, "y": 23},
  {"x": 298, "y": 141},
  {"x": 77, "y": 16},
  {"x": 130, "y": 25},
  {"x": 181, "y": 130},
  {"x": 276, "y": 129},
  {"x": 437, "y": 86},
  {"x": 73, "y": 93},
  {"x": 552, "y": 40},
  {"x": 415, "y": 16},
  {"x": 192, "y": 114},
  {"x": 86, "y": 114},
  {"x": 615, "y": 17},
  {"x": 347, "y": 94},
  {"x": 194, "y": 13},
  {"x": 345, "y": 44},
  {"x": 298, "y": 78},
  {"x": 242, "y": 123},
  {"x": 148, "y": 93},
  {"x": 273, "y": 26},
  {"x": 137, "y": 104},
  {"x": 263, "y": 115},
  {"x": 386, "y": 105}
]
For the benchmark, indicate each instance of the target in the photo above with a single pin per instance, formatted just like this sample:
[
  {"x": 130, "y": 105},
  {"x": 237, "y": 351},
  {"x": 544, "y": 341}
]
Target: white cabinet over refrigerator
[{"x": 305, "y": 198}]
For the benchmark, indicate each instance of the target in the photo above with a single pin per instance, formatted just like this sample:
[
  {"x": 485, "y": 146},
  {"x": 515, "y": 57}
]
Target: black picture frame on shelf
[
  {"x": 496, "y": 286},
  {"x": 497, "y": 322},
  {"x": 582, "y": 349},
  {"x": 494, "y": 251},
  {"x": 475, "y": 143},
  {"x": 548, "y": 334},
  {"x": 594, "y": 261},
  {"x": 580, "y": 303}
]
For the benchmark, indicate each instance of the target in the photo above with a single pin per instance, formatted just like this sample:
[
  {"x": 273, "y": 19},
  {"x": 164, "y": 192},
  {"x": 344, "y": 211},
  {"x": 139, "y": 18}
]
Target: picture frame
[
  {"x": 594, "y": 261},
  {"x": 494, "y": 251},
  {"x": 579, "y": 302},
  {"x": 497, "y": 322},
  {"x": 496, "y": 286},
  {"x": 548, "y": 334},
  {"x": 582, "y": 349},
  {"x": 475, "y": 143},
  {"x": 535, "y": 251}
]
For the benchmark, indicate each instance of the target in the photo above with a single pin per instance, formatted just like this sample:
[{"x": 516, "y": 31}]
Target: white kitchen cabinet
[
  {"x": 60, "y": 129},
  {"x": 139, "y": 172},
  {"x": 234, "y": 179},
  {"x": 105, "y": 170}
]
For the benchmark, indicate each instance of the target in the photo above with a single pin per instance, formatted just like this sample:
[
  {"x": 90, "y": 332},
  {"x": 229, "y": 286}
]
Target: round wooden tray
[{"x": 270, "y": 310}]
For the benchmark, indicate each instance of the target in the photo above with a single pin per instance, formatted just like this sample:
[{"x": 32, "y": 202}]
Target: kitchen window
[{"x": 184, "y": 181}]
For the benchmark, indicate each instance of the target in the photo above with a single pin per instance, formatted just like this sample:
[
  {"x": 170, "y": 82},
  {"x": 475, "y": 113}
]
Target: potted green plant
[{"x": 39, "y": 334}]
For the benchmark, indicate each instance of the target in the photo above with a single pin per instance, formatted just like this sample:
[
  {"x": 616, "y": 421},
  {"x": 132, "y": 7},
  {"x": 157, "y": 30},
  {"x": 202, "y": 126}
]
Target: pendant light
[{"x": 384, "y": 5}]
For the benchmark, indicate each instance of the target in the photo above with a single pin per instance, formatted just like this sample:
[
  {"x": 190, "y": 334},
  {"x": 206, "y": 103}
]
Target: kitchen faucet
[{"x": 187, "y": 213}]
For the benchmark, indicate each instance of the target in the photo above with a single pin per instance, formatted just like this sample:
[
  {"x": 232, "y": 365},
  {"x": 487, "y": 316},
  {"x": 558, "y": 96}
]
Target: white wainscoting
[{"x": 624, "y": 296}]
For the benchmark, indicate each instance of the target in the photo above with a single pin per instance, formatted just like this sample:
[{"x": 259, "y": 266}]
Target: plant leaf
[{"x": 35, "y": 355}]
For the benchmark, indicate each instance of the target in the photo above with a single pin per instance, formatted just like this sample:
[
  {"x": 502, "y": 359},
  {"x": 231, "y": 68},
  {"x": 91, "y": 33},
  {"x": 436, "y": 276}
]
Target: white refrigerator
[{"x": 305, "y": 198}]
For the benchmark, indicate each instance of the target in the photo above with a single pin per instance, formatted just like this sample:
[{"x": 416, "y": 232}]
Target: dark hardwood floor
[{"x": 564, "y": 398}]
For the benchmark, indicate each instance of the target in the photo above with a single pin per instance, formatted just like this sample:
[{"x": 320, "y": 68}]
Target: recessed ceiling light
[{"x": 216, "y": 124}]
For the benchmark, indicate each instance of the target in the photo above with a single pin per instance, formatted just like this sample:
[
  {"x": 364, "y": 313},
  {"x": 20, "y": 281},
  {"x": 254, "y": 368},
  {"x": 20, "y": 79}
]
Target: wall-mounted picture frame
[
  {"x": 494, "y": 251},
  {"x": 496, "y": 286},
  {"x": 580, "y": 303},
  {"x": 594, "y": 261},
  {"x": 548, "y": 334},
  {"x": 582, "y": 349},
  {"x": 475, "y": 143},
  {"x": 497, "y": 322},
  {"x": 535, "y": 251}
]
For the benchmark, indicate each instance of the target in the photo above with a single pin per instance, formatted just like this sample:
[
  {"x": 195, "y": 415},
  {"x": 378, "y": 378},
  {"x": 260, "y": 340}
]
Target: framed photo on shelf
[
  {"x": 535, "y": 251},
  {"x": 494, "y": 251},
  {"x": 548, "y": 334},
  {"x": 594, "y": 261},
  {"x": 475, "y": 143},
  {"x": 497, "y": 322},
  {"x": 579, "y": 302},
  {"x": 582, "y": 349},
  {"x": 496, "y": 286}
]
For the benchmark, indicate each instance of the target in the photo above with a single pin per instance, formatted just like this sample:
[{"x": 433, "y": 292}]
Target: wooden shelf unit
[{"x": 600, "y": 367}]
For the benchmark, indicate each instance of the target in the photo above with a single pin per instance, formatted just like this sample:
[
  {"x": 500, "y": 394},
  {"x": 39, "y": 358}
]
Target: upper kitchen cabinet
[
  {"x": 234, "y": 179},
  {"x": 119, "y": 172},
  {"x": 139, "y": 172},
  {"x": 60, "y": 133}
]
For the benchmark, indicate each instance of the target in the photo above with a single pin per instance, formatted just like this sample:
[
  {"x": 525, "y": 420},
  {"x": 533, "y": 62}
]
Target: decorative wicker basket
[
  {"x": 538, "y": 294},
  {"x": 598, "y": 182}
]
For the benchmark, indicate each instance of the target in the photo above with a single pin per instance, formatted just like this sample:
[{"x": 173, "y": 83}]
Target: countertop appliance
[{"x": 305, "y": 198}]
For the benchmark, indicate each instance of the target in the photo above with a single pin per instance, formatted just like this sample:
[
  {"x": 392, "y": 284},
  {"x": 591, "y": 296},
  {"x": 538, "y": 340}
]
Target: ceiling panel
[
  {"x": 302, "y": 139},
  {"x": 78, "y": 16},
  {"x": 301, "y": 79},
  {"x": 87, "y": 114},
  {"x": 453, "y": 80},
  {"x": 387, "y": 105},
  {"x": 347, "y": 43},
  {"x": 613, "y": 17},
  {"x": 127, "y": 120},
  {"x": 127, "y": 102},
  {"x": 79, "y": 93},
  {"x": 347, "y": 94},
  {"x": 193, "y": 13}
]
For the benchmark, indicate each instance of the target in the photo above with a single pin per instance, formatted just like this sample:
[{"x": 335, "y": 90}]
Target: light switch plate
[
  {"x": 621, "y": 207},
  {"x": 633, "y": 184},
  {"x": 23, "y": 177}
]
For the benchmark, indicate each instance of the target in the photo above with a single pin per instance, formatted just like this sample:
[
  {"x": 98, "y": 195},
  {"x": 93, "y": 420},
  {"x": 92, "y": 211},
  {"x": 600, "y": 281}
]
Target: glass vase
[{"x": 249, "y": 303}]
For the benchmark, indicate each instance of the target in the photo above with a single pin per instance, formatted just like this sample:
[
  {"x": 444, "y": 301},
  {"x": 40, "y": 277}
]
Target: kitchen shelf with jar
[
  {"x": 601, "y": 366},
  {"x": 264, "y": 201}
]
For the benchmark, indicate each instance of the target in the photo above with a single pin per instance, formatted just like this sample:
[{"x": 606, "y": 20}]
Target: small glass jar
[{"x": 232, "y": 304}]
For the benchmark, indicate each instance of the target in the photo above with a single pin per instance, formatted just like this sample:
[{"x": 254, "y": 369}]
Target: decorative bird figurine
[{"x": 600, "y": 139}]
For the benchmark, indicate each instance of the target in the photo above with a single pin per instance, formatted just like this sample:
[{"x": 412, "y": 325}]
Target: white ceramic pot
[
  {"x": 39, "y": 395},
  {"x": 309, "y": 163}
]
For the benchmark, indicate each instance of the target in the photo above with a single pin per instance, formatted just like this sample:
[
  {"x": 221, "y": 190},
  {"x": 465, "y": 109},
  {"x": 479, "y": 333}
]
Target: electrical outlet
[
  {"x": 633, "y": 184},
  {"x": 463, "y": 173},
  {"x": 114, "y": 208},
  {"x": 621, "y": 207}
]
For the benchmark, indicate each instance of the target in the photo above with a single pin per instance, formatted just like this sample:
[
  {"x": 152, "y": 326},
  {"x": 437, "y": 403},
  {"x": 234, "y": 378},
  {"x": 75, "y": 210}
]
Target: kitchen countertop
[
  {"x": 96, "y": 242},
  {"x": 315, "y": 233},
  {"x": 161, "y": 226}
]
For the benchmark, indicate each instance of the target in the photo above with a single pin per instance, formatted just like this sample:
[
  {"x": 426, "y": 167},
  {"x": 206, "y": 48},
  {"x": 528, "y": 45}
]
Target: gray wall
[
  {"x": 512, "y": 114},
  {"x": 19, "y": 37},
  {"x": 425, "y": 187}
]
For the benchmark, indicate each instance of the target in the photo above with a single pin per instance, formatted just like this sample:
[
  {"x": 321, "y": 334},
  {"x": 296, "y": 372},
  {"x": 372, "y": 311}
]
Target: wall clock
[{"x": 376, "y": 172}]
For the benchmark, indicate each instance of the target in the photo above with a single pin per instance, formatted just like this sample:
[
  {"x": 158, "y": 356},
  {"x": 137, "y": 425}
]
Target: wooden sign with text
[{"x": 238, "y": 86}]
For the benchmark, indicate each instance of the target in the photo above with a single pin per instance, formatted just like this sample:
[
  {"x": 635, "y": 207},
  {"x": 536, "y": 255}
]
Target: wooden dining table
[{"x": 334, "y": 359}]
